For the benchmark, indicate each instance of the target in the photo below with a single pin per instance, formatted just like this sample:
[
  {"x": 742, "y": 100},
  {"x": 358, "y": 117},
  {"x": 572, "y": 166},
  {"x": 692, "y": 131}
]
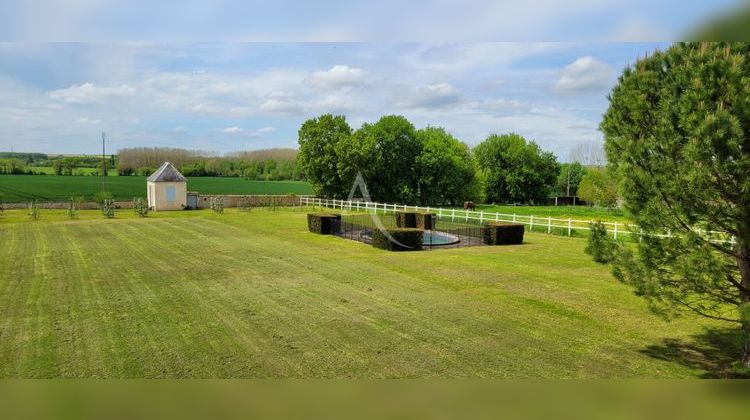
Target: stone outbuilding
[{"x": 167, "y": 189}]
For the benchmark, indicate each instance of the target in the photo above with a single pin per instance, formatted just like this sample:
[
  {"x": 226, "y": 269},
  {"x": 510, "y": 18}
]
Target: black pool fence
[{"x": 444, "y": 233}]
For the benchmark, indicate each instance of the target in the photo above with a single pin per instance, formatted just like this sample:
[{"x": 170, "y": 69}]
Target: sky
[
  {"x": 224, "y": 76},
  {"x": 57, "y": 98}
]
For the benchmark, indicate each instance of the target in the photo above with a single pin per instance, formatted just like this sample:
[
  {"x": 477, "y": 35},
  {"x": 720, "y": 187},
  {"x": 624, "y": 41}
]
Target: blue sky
[
  {"x": 144, "y": 73},
  {"x": 222, "y": 97}
]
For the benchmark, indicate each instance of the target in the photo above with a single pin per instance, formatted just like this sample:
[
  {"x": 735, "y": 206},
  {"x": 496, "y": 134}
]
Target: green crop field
[
  {"x": 196, "y": 294},
  {"x": 20, "y": 188}
]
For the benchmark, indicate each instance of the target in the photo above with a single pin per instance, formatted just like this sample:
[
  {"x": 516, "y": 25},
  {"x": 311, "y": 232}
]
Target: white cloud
[
  {"x": 431, "y": 96},
  {"x": 501, "y": 104},
  {"x": 338, "y": 76},
  {"x": 584, "y": 74},
  {"x": 281, "y": 106},
  {"x": 89, "y": 93},
  {"x": 233, "y": 130},
  {"x": 87, "y": 120},
  {"x": 264, "y": 130}
]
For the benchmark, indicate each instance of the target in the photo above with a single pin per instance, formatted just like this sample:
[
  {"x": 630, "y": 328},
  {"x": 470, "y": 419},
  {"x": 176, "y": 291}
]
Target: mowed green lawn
[
  {"x": 559, "y": 212},
  {"x": 195, "y": 294},
  {"x": 21, "y": 188}
]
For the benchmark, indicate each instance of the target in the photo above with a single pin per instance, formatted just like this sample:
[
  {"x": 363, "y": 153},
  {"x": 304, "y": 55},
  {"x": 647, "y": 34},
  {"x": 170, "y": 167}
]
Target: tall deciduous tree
[
  {"x": 446, "y": 168},
  {"x": 516, "y": 170},
  {"x": 598, "y": 187},
  {"x": 318, "y": 143},
  {"x": 677, "y": 132},
  {"x": 569, "y": 178}
]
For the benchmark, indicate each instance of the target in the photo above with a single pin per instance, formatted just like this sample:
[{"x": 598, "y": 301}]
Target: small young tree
[
  {"x": 601, "y": 247},
  {"x": 245, "y": 205},
  {"x": 108, "y": 208},
  {"x": 140, "y": 207},
  {"x": 34, "y": 213},
  {"x": 73, "y": 206},
  {"x": 216, "y": 203}
]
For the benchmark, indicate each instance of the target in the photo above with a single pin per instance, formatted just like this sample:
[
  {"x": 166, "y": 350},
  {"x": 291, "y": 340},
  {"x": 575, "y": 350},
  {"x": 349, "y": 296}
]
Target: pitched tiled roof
[{"x": 167, "y": 173}]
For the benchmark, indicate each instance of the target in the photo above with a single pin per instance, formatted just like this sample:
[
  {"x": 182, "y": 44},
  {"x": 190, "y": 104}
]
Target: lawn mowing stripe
[{"x": 255, "y": 295}]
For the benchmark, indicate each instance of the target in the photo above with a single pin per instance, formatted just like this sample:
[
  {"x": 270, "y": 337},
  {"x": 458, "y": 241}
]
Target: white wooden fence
[{"x": 543, "y": 223}]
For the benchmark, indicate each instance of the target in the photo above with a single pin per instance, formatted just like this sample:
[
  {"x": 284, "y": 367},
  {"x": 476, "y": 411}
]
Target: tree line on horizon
[
  {"x": 265, "y": 164},
  {"x": 428, "y": 166}
]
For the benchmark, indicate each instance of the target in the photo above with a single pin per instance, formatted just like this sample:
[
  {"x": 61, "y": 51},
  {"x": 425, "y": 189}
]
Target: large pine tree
[{"x": 677, "y": 132}]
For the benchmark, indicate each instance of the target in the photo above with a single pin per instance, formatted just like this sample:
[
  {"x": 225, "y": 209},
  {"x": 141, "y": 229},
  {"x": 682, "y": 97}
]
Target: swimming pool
[
  {"x": 429, "y": 238},
  {"x": 438, "y": 238}
]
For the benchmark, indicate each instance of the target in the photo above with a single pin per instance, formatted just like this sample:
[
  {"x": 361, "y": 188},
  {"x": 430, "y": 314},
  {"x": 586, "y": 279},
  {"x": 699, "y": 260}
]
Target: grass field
[
  {"x": 20, "y": 188},
  {"x": 561, "y": 212},
  {"x": 194, "y": 294}
]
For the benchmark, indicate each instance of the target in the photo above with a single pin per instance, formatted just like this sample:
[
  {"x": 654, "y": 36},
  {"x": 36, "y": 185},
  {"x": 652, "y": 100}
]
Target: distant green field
[{"x": 20, "y": 188}]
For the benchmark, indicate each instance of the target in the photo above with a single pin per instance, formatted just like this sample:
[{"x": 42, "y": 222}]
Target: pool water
[
  {"x": 437, "y": 238},
  {"x": 429, "y": 238}
]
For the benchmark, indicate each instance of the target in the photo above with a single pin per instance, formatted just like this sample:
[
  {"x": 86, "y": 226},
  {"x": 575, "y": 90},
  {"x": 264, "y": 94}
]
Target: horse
[{"x": 469, "y": 205}]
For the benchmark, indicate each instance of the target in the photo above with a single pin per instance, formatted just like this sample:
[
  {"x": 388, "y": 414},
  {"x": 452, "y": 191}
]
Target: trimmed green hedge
[
  {"x": 414, "y": 219},
  {"x": 406, "y": 219},
  {"x": 425, "y": 221},
  {"x": 321, "y": 222},
  {"x": 503, "y": 233},
  {"x": 410, "y": 237}
]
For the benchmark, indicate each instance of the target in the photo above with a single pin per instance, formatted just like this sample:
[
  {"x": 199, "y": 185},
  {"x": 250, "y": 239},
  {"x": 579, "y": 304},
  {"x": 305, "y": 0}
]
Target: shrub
[
  {"x": 245, "y": 205},
  {"x": 415, "y": 219},
  {"x": 600, "y": 246},
  {"x": 108, "y": 208},
  {"x": 33, "y": 210},
  {"x": 322, "y": 223},
  {"x": 503, "y": 233},
  {"x": 74, "y": 203},
  {"x": 425, "y": 221},
  {"x": 406, "y": 219},
  {"x": 140, "y": 206},
  {"x": 216, "y": 204},
  {"x": 409, "y": 239}
]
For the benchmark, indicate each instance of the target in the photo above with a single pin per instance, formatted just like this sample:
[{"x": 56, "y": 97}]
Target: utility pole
[{"x": 104, "y": 166}]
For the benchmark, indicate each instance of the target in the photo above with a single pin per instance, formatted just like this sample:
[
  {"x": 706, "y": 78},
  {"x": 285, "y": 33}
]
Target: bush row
[
  {"x": 502, "y": 233},
  {"x": 321, "y": 223},
  {"x": 406, "y": 239},
  {"x": 413, "y": 219}
]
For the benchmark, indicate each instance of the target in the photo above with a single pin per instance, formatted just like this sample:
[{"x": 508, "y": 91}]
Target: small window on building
[{"x": 171, "y": 194}]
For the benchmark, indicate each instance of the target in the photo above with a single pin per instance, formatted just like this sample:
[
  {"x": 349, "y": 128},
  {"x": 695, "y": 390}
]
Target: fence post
[
  {"x": 615, "y": 230},
  {"x": 549, "y": 224},
  {"x": 514, "y": 218},
  {"x": 570, "y": 226},
  {"x": 481, "y": 216},
  {"x": 531, "y": 223},
  {"x": 497, "y": 216},
  {"x": 466, "y": 215}
]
